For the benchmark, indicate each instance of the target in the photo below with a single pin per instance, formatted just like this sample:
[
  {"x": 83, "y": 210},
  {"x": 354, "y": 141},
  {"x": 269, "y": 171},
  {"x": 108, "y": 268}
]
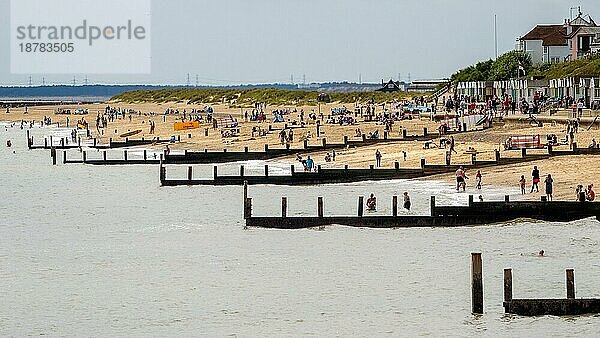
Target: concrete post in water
[
  {"x": 506, "y": 198},
  {"x": 104, "y": 155},
  {"x": 284, "y": 207},
  {"x": 215, "y": 173},
  {"x": 266, "y": 170},
  {"x": 241, "y": 171},
  {"x": 476, "y": 283},
  {"x": 570, "y": 284},
  {"x": 361, "y": 204},
  {"x": 422, "y": 163},
  {"x": 432, "y": 206},
  {"x": 395, "y": 206},
  {"x": 190, "y": 173},
  {"x": 523, "y": 152},
  {"x": 320, "y": 207},
  {"x": 507, "y": 285},
  {"x": 125, "y": 155}
]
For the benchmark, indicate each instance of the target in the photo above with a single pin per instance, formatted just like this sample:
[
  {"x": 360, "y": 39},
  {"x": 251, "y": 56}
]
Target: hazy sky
[{"x": 264, "y": 41}]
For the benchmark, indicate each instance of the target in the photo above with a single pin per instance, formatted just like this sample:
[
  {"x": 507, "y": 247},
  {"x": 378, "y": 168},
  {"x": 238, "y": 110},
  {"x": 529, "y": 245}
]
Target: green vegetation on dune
[
  {"x": 506, "y": 67},
  {"x": 246, "y": 97}
]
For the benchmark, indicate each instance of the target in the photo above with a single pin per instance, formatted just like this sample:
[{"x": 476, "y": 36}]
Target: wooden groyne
[
  {"x": 64, "y": 144},
  {"x": 569, "y": 306},
  {"x": 475, "y": 213},
  {"x": 556, "y": 307}
]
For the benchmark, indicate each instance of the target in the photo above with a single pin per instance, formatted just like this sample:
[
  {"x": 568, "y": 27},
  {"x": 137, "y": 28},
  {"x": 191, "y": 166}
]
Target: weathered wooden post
[
  {"x": 346, "y": 167},
  {"x": 360, "y": 206},
  {"x": 364, "y": 137},
  {"x": 432, "y": 206},
  {"x": 464, "y": 126},
  {"x": 248, "y": 208},
  {"x": 425, "y": 131},
  {"x": 104, "y": 155},
  {"x": 145, "y": 155},
  {"x": 320, "y": 207},
  {"x": 190, "y": 173},
  {"x": 476, "y": 283},
  {"x": 64, "y": 156},
  {"x": 523, "y": 152},
  {"x": 544, "y": 198},
  {"x": 245, "y": 149},
  {"x": 125, "y": 155},
  {"x": 305, "y": 144},
  {"x": 241, "y": 171},
  {"x": 397, "y": 165},
  {"x": 470, "y": 200},
  {"x": 266, "y": 148},
  {"x": 371, "y": 167},
  {"x": 570, "y": 284},
  {"x": 284, "y": 207},
  {"x": 324, "y": 142},
  {"x": 550, "y": 149},
  {"x": 318, "y": 129},
  {"x": 95, "y": 142},
  {"x": 206, "y": 132},
  {"x": 473, "y": 158},
  {"x": 266, "y": 170},
  {"x": 84, "y": 156},
  {"x": 245, "y": 191},
  {"x": 422, "y": 163},
  {"x": 345, "y": 139},
  {"x": 62, "y": 142},
  {"x": 395, "y": 206},
  {"x": 385, "y": 135},
  {"x": 507, "y": 285},
  {"x": 215, "y": 173},
  {"x": 404, "y": 133},
  {"x": 506, "y": 198}
]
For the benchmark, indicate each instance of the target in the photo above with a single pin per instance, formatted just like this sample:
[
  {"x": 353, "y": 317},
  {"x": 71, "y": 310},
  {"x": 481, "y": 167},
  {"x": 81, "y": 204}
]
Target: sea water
[{"x": 105, "y": 251}]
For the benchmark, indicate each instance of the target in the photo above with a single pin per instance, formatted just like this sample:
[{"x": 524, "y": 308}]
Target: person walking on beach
[
  {"x": 406, "y": 201},
  {"x": 548, "y": 182},
  {"x": 452, "y": 145},
  {"x": 309, "y": 164},
  {"x": 478, "y": 179},
  {"x": 535, "y": 176},
  {"x": 522, "y": 183},
  {"x": 378, "y": 158}
]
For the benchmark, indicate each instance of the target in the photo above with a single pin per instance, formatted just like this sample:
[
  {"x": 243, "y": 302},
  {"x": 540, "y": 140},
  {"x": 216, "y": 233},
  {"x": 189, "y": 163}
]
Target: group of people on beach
[
  {"x": 461, "y": 179},
  {"x": 372, "y": 202}
]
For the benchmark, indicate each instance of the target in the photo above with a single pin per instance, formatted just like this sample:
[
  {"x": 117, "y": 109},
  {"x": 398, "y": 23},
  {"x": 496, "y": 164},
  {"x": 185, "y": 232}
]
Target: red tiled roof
[{"x": 551, "y": 35}]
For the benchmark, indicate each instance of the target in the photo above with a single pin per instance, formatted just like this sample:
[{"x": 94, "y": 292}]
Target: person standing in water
[
  {"x": 378, "y": 158},
  {"x": 522, "y": 183},
  {"x": 406, "y": 201}
]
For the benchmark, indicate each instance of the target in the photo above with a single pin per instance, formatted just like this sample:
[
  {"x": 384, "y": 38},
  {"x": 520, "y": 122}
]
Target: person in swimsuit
[{"x": 535, "y": 175}]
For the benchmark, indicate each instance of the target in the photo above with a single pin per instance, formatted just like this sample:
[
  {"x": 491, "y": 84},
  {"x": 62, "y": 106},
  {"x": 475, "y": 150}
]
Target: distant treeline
[{"x": 247, "y": 97}]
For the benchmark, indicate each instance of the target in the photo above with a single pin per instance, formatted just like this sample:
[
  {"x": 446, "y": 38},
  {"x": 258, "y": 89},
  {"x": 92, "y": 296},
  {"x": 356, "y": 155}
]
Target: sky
[{"x": 227, "y": 42}]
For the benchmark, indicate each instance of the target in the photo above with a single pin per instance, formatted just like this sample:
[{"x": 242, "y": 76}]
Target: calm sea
[{"x": 106, "y": 251}]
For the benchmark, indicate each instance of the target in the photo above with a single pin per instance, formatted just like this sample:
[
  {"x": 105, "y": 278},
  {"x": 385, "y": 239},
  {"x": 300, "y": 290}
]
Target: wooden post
[
  {"x": 476, "y": 283},
  {"x": 248, "y": 208},
  {"x": 64, "y": 156},
  {"x": 364, "y": 137},
  {"x": 464, "y": 126},
  {"x": 345, "y": 139},
  {"x": 320, "y": 207},
  {"x": 62, "y": 142},
  {"x": 470, "y": 200},
  {"x": 45, "y": 142},
  {"x": 205, "y": 131},
  {"x": 544, "y": 198},
  {"x": 324, "y": 142},
  {"x": 506, "y": 198},
  {"x": 245, "y": 149},
  {"x": 292, "y": 169},
  {"x": 360, "y": 206},
  {"x": 215, "y": 173},
  {"x": 84, "y": 158},
  {"x": 570, "y": 284},
  {"x": 371, "y": 167},
  {"x": 404, "y": 133},
  {"x": 523, "y": 152},
  {"x": 266, "y": 170},
  {"x": 397, "y": 165},
  {"x": 318, "y": 129},
  {"x": 145, "y": 155},
  {"x": 53, "y": 154},
  {"x": 497, "y": 154},
  {"x": 433, "y": 213},
  {"x": 125, "y": 155},
  {"x": 425, "y": 131},
  {"x": 104, "y": 155},
  {"x": 245, "y": 191},
  {"x": 190, "y": 173},
  {"x": 284, "y": 207},
  {"x": 305, "y": 145},
  {"x": 422, "y": 163},
  {"x": 473, "y": 158},
  {"x": 319, "y": 168},
  {"x": 550, "y": 149},
  {"x": 385, "y": 135},
  {"x": 266, "y": 148},
  {"x": 242, "y": 171},
  {"x": 395, "y": 206},
  {"x": 508, "y": 285}
]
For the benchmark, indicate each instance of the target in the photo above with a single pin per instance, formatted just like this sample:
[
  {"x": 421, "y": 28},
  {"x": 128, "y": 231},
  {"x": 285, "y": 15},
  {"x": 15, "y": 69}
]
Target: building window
[{"x": 545, "y": 49}]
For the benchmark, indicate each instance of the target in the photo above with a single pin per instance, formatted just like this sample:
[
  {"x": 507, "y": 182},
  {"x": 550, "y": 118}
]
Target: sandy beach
[{"x": 568, "y": 171}]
